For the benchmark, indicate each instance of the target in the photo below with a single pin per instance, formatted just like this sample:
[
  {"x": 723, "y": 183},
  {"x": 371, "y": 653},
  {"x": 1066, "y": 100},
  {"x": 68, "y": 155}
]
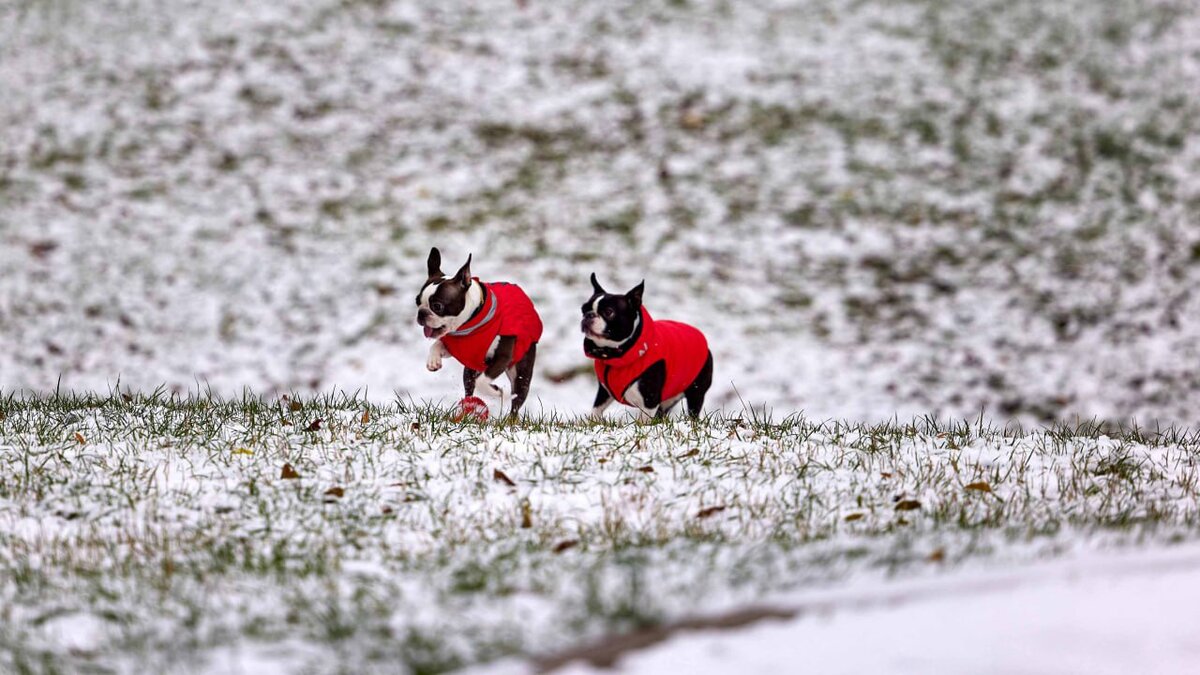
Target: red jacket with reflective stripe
[
  {"x": 506, "y": 310},
  {"x": 683, "y": 348}
]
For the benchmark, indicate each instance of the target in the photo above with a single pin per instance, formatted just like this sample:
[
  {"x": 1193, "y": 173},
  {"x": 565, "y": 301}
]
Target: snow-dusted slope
[
  {"x": 182, "y": 536},
  {"x": 923, "y": 207},
  {"x": 1128, "y": 613}
]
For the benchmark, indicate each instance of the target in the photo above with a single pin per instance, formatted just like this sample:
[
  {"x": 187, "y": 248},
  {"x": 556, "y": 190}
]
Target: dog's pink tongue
[{"x": 428, "y": 332}]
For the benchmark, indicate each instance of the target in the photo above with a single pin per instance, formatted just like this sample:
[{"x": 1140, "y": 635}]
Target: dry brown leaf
[
  {"x": 851, "y": 517},
  {"x": 501, "y": 477},
  {"x": 690, "y": 453},
  {"x": 288, "y": 473},
  {"x": 416, "y": 426},
  {"x": 710, "y": 511},
  {"x": 938, "y": 555},
  {"x": 978, "y": 486},
  {"x": 295, "y": 405},
  {"x": 565, "y": 545},
  {"x": 335, "y": 492},
  {"x": 646, "y": 469},
  {"x": 366, "y": 416},
  {"x": 691, "y": 120},
  {"x": 79, "y": 438},
  {"x": 526, "y": 514},
  {"x": 908, "y": 505},
  {"x": 315, "y": 425}
]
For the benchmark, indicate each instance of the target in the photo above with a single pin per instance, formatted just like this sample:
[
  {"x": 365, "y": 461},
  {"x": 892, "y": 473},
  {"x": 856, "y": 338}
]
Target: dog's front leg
[
  {"x": 436, "y": 351},
  {"x": 486, "y": 385},
  {"x": 603, "y": 400}
]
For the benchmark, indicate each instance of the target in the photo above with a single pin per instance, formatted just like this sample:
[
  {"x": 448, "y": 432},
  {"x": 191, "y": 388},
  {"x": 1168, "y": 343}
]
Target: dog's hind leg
[
  {"x": 699, "y": 387},
  {"x": 520, "y": 376}
]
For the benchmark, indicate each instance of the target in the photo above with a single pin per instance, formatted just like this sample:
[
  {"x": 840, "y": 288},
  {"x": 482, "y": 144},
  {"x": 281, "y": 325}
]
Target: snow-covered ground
[
  {"x": 935, "y": 209},
  {"x": 873, "y": 208},
  {"x": 1130, "y": 613},
  {"x": 206, "y": 536}
]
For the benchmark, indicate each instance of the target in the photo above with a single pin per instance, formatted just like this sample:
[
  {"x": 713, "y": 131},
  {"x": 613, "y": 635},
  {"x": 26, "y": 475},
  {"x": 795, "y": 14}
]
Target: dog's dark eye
[
  {"x": 607, "y": 313},
  {"x": 436, "y": 307}
]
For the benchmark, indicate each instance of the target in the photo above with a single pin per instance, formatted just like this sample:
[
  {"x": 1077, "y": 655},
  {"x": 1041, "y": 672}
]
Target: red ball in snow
[{"x": 472, "y": 407}]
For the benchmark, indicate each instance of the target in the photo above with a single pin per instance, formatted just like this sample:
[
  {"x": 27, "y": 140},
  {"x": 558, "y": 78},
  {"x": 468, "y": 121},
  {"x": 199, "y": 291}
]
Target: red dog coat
[
  {"x": 506, "y": 310},
  {"x": 683, "y": 348}
]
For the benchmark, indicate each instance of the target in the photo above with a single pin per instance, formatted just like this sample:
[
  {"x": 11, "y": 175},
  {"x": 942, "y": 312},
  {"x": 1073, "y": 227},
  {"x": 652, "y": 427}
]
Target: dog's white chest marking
[{"x": 492, "y": 349}]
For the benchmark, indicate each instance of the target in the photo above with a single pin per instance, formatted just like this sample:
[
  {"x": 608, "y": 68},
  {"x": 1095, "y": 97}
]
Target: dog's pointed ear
[
  {"x": 435, "y": 263},
  {"x": 635, "y": 295},
  {"x": 464, "y": 273},
  {"x": 596, "y": 287}
]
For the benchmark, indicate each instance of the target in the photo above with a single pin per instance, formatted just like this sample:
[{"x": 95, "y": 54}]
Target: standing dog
[
  {"x": 641, "y": 362},
  {"x": 490, "y": 328}
]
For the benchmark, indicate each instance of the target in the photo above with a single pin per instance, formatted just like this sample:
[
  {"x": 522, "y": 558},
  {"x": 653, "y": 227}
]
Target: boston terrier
[
  {"x": 641, "y": 362},
  {"x": 490, "y": 328}
]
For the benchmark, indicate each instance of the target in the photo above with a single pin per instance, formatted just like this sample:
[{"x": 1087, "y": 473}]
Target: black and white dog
[
  {"x": 491, "y": 328},
  {"x": 640, "y": 362}
]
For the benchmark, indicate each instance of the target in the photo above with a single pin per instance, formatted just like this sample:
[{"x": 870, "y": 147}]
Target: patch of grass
[{"x": 160, "y": 509}]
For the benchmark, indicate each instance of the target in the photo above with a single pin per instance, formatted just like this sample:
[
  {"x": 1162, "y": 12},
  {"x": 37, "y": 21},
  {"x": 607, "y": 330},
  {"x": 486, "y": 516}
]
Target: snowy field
[
  {"x": 216, "y": 213},
  {"x": 1128, "y": 614},
  {"x": 161, "y": 535},
  {"x": 927, "y": 207}
]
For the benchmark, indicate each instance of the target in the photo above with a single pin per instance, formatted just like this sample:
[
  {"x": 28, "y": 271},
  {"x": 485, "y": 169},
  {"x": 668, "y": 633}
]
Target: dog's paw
[
  {"x": 485, "y": 386},
  {"x": 434, "y": 362}
]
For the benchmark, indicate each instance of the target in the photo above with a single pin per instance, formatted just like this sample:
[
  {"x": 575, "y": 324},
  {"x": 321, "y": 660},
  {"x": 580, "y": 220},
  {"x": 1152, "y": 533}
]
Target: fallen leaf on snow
[
  {"x": 851, "y": 517},
  {"x": 501, "y": 477},
  {"x": 565, "y": 545},
  {"x": 288, "y": 473},
  {"x": 908, "y": 505},
  {"x": 79, "y": 438},
  {"x": 978, "y": 486},
  {"x": 709, "y": 511}
]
